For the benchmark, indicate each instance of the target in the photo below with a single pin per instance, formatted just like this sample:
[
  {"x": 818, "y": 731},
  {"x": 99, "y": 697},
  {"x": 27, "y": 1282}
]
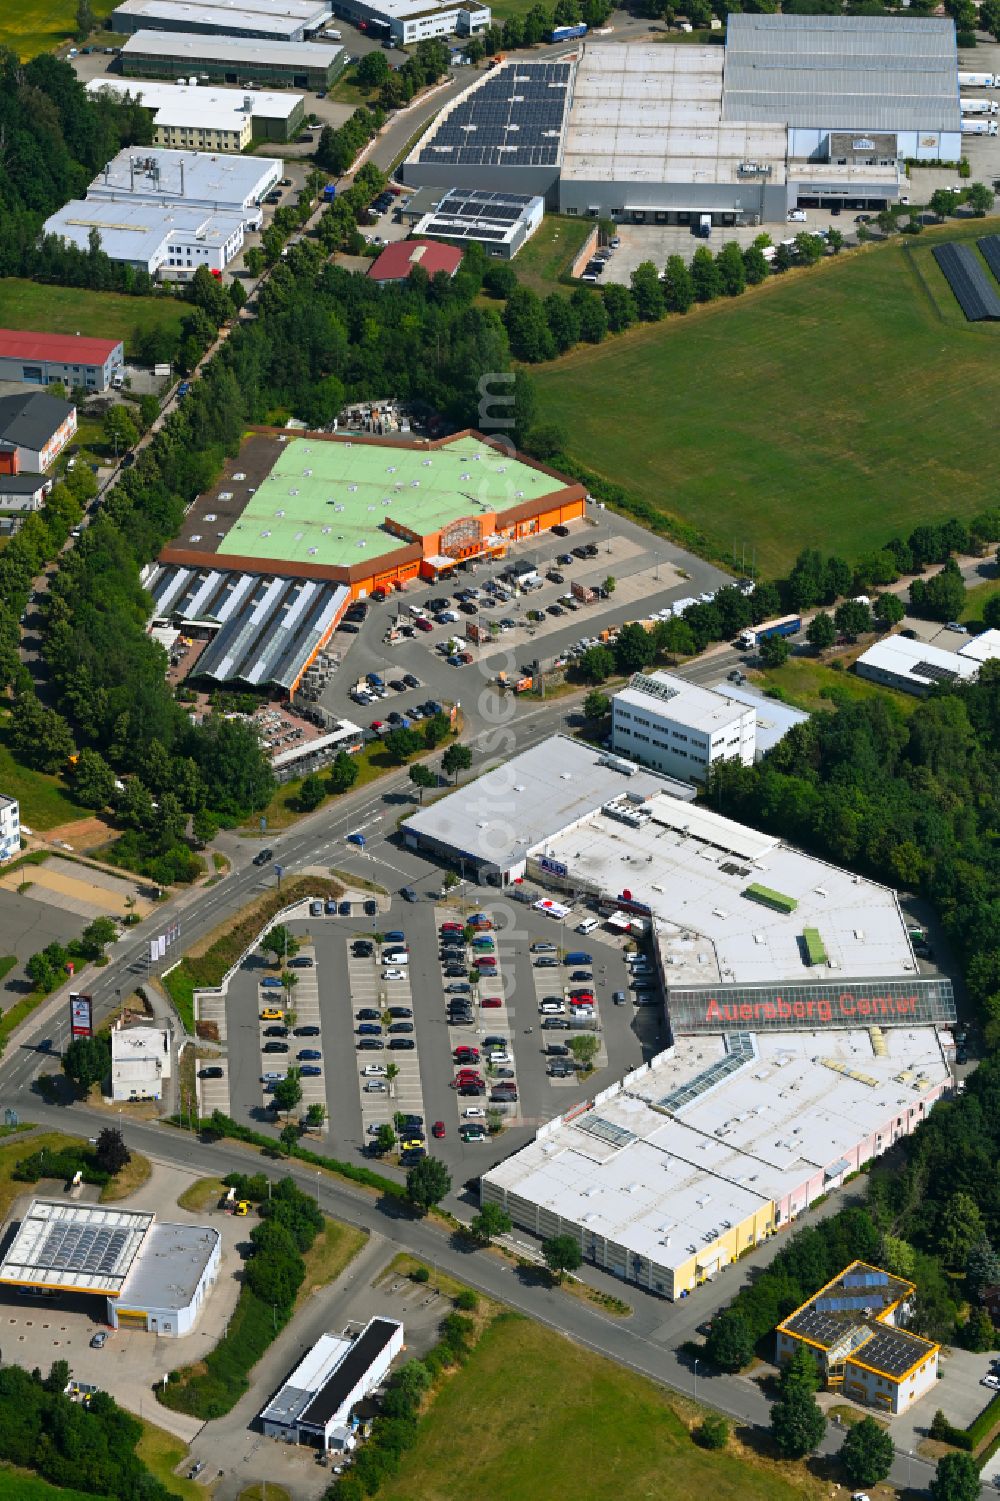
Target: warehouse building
[
  {"x": 188, "y": 180},
  {"x": 794, "y": 111},
  {"x": 38, "y": 359},
  {"x": 227, "y": 59},
  {"x": 200, "y": 119},
  {"x": 316, "y": 1402},
  {"x": 913, "y": 666},
  {"x": 255, "y": 20},
  {"x": 404, "y": 22},
  {"x": 499, "y": 222},
  {"x": 694, "y": 1159},
  {"x": 676, "y": 727},
  {"x": 397, "y": 260},
  {"x": 855, "y": 1329},
  {"x": 982, "y": 648},
  {"x": 368, "y": 512},
  {"x": 34, "y": 430},
  {"x": 152, "y": 1276}
]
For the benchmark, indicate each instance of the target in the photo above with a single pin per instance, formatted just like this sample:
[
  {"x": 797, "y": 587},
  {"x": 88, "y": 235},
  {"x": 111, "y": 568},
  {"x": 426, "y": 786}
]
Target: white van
[
  {"x": 395, "y": 956},
  {"x": 552, "y": 1008},
  {"x": 588, "y": 925}
]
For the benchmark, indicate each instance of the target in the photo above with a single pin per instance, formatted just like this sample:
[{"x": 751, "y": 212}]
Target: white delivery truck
[
  {"x": 978, "y": 106},
  {"x": 979, "y": 127},
  {"x": 977, "y": 80}
]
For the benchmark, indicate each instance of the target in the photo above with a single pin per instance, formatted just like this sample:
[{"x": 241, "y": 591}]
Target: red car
[
  {"x": 466, "y": 1055},
  {"x": 423, "y": 624},
  {"x": 437, "y": 1129},
  {"x": 468, "y": 1076},
  {"x": 485, "y": 961},
  {"x": 451, "y": 927},
  {"x": 581, "y": 995},
  {"x": 587, "y": 1002},
  {"x": 376, "y": 725},
  {"x": 491, "y": 1003}
]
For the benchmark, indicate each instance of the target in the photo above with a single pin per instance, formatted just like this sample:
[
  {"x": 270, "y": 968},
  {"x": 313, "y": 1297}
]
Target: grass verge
[
  {"x": 53, "y": 1143},
  {"x": 24, "y": 1485},
  {"x": 975, "y": 599},
  {"x": 809, "y": 684},
  {"x": 161, "y": 1452},
  {"x": 45, "y": 801},
  {"x": 331, "y": 1251},
  {"x": 221, "y": 949},
  {"x": 581, "y": 1426},
  {"x": 281, "y": 812},
  {"x": 201, "y": 1195},
  {"x": 129, "y": 1180},
  {"x": 550, "y": 253},
  {"x": 72, "y": 310},
  {"x": 707, "y": 423}
]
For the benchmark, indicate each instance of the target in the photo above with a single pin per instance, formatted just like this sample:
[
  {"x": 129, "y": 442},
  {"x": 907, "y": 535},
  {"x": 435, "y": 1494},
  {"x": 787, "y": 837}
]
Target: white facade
[
  {"x": 913, "y": 666},
  {"x": 680, "y": 729},
  {"x": 10, "y": 828},
  {"x": 167, "y": 243},
  {"x": 315, "y": 1403},
  {"x": 170, "y": 1280},
  {"x": 140, "y": 1061},
  {"x": 409, "y": 21}
]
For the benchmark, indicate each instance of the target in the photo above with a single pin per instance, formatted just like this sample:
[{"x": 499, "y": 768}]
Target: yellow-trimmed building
[{"x": 855, "y": 1328}]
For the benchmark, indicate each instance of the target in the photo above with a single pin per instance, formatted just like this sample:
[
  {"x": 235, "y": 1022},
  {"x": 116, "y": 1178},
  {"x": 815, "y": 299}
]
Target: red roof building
[
  {"x": 398, "y": 260},
  {"x": 39, "y": 359}
]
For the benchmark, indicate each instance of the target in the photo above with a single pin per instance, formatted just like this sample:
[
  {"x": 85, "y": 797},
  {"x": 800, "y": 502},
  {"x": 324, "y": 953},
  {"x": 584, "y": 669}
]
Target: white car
[
  {"x": 473, "y": 1113},
  {"x": 376, "y": 1086},
  {"x": 993, "y": 1382},
  {"x": 797, "y": 216},
  {"x": 373, "y": 1071},
  {"x": 376, "y": 1127},
  {"x": 393, "y": 974}
]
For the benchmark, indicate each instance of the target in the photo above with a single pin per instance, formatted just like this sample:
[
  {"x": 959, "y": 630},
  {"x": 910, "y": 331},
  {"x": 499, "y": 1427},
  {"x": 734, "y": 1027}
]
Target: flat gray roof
[
  {"x": 653, "y": 114},
  {"x": 282, "y": 18},
  {"x": 774, "y": 719},
  {"x": 532, "y": 797},
  {"x": 86, "y": 1248},
  {"x": 188, "y": 44},
  {"x": 169, "y": 1265},
  {"x": 218, "y": 180},
  {"x": 136, "y": 231},
  {"x": 847, "y": 72}
]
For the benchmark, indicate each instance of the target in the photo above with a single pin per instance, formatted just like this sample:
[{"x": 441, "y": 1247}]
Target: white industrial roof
[
  {"x": 85, "y": 1247},
  {"x": 906, "y": 658},
  {"x": 138, "y": 231},
  {"x": 169, "y": 1266},
  {"x": 691, "y": 867},
  {"x": 192, "y": 45},
  {"x": 157, "y": 174},
  {"x": 774, "y": 719},
  {"x": 405, "y": 10},
  {"x": 654, "y": 114},
  {"x": 666, "y": 1182},
  {"x": 210, "y": 105},
  {"x": 282, "y": 18},
  {"x": 309, "y": 1376},
  {"x": 667, "y": 696},
  {"x": 531, "y": 797},
  {"x": 982, "y": 648},
  {"x": 135, "y": 1043}
]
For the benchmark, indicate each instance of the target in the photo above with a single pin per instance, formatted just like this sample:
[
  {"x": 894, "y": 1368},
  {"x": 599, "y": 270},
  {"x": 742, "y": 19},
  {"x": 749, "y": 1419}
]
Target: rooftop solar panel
[
  {"x": 932, "y": 670},
  {"x": 989, "y": 248},
  {"x": 974, "y": 291}
]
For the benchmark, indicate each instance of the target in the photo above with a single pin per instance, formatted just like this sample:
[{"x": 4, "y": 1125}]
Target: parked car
[{"x": 212, "y": 1072}]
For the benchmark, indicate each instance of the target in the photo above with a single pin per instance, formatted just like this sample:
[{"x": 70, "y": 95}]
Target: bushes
[
  {"x": 945, "y": 1432},
  {"x": 221, "y": 1125},
  {"x": 64, "y": 1164},
  {"x": 712, "y": 1432}
]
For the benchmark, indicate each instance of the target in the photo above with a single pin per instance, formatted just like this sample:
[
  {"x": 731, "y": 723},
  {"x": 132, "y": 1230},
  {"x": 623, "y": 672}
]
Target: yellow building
[
  {"x": 854, "y": 1328},
  {"x": 188, "y": 129}
]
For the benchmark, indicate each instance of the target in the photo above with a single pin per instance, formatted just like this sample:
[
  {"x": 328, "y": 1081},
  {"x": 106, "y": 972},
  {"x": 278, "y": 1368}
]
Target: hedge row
[
  {"x": 215, "y": 1391},
  {"x": 222, "y": 1125}
]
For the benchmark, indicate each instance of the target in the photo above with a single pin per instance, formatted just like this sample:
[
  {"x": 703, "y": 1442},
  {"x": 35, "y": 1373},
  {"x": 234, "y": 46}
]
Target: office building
[
  {"x": 405, "y": 22},
  {"x": 315, "y": 1404},
  {"x": 10, "y": 824},
  {"x": 254, "y": 20},
  {"x": 210, "y": 119},
  {"x": 913, "y": 666},
  {"x": 152, "y": 1276},
  {"x": 499, "y": 222},
  {"x": 140, "y": 1062},
  {"x": 39, "y": 359},
  {"x": 235, "y": 60},
  {"x": 855, "y": 1329},
  {"x": 678, "y": 728},
  {"x": 34, "y": 430}
]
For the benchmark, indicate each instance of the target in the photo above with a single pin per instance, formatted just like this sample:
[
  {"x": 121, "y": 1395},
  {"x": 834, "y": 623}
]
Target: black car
[
  {"x": 439, "y": 602},
  {"x": 459, "y": 988},
  {"x": 554, "y": 610},
  {"x": 361, "y": 948},
  {"x": 348, "y": 628},
  {"x": 468, "y": 608},
  {"x": 433, "y": 707},
  {"x": 961, "y": 1053},
  {"x": 303, "y": 962},
  {"x": 460, "y": 1018},
  {"x": 402, "y": 1044},
  {"x": 275, "y": 1031},
  {"x": 400, "y": 1011},
  {"x": 591, "y": 549},
  {"x": 275, "y": 1047},
  {"x": 400, "y": 1027},
  {"x": 474, "y": 1090},
  {"x": 368, "y": 1014},
  {"x": 410, "y": 680},
  {"x": 306, "y": 1031},
  {"x": 369, "y": 1044},
  {"x": 263, "y": 856},
  {"x": 371, "y": 910},
  {"x": 580, "y": 552},
  {"x": 560, "y": 531},
  {"x": 546, "y": 962},
  {"x": 412, "y": 1124},
  {"x": 210, "y": 1073},
  {"x": 555, "y": 1024},
  {"x": 555, "y": 577},
  {"x": 451, "y": 941},
  {"x": 397, "y": 685},
  {"x": 454, "y": 971}
]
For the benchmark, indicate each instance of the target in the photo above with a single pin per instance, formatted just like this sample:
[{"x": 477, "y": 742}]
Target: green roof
[
  {"x": 815, "y": 950},
  {"x": 325, "y": 502},
  {"x": 768, "y": 897}
]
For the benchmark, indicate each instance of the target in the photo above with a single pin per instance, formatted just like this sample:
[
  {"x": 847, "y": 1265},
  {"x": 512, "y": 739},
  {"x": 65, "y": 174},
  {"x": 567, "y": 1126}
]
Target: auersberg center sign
[{"x": 800, "y": 1007}]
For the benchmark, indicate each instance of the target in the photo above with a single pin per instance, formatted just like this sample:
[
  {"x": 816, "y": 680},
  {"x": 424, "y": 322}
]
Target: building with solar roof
[
  {"x": 855, "y": 1328},
  {"x": 154, "y": 1276},
  {"x": 699, "y": 1156},
  {"x": 795, "y": 111},
  {"x": 499, "y": 222},
  {"x": 913, "y": 666}
]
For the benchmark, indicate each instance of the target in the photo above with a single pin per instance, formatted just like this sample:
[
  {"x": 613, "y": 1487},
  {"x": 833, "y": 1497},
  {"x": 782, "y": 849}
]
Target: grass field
[
  {"x": 162, "y": 1452},
  {"x": 71, "y": 310},
  {"x": 550, "y": 253},
  {"x": 580, "y": 1427},
  {"x": 23, "y": 1485},
  {"x": 975, "y": 599},
  {"x": 28, "y": 27},
  {"x": 835, "y": 406},
  {"x": 329, "y": 1254},
  {"x": 808, "y": 684},
  {"x": 45, "y": 801}
]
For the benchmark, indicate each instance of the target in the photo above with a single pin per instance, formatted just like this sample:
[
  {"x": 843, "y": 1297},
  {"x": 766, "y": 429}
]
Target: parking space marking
[
  {"x": 404, "y": 1094},
  {"x": 213, "y": 1094},
  {"x": 299, "y": 1008},
  {"x": 488, "y": 1022}
]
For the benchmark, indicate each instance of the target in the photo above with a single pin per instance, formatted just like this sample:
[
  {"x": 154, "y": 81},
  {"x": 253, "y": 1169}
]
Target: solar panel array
[
  {"x": 739, "y": 1050},
  {"x": 596, "y": 1125},
  {"x": 79, "y": 1248},
  {"x": 513, "y": 119},
  {"x": 865, "y": 1279},
  {"x": 932, "y": 670},
  {"x": 975, "y": 292},
  {"x": 841, "y": 1305},
  {"x": 989, "y": 249}
]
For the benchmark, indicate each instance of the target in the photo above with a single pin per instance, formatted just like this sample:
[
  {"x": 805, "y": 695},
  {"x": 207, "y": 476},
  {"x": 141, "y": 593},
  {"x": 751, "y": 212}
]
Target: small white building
[
  {"x": 10, "y": 827},
  {"x": 174, "y": 1271},
  {"x": 982, "y": 648},
  {"x": 913, "y": 666},
  {"x": 314, "y": 1406},
  {"x": 140, "y": 1061},
  {"x": 675, "y": 727},
  {"x": 407, "y": 21}
]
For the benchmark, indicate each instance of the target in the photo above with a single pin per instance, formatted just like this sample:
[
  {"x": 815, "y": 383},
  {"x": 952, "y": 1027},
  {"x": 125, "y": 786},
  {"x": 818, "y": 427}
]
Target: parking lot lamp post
[{"x": 696, "y": 1379}]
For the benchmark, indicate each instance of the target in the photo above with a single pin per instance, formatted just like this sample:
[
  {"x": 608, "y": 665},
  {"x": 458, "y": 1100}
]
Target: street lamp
[{"x": 696, "y": 1379}]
